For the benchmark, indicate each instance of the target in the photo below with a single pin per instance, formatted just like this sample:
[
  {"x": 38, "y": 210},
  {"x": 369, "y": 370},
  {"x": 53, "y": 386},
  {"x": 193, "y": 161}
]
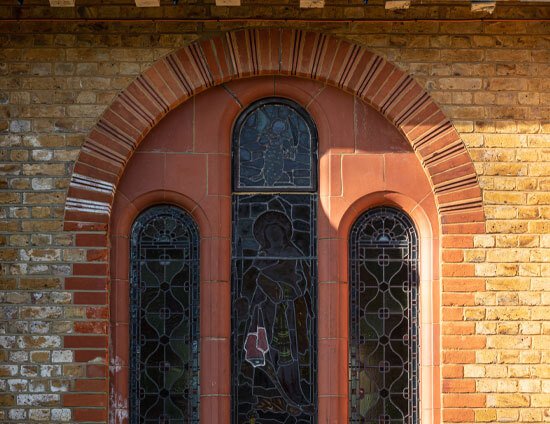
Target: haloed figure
[{"x": 276, "y": 344}]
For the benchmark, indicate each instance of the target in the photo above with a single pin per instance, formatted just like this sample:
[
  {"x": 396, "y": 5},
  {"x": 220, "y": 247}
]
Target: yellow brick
[
  {"x": 485, "y": 270},
  {"x": 474, "y": 255},
  {"x": 508, "y": 313},
  {"x": 530, "y": 415},
  {"x": 529, "y": 357},
  {"x": 509, "y": 342},
  {"x": 507, "y": 328},
  {"x": 496, "y": 371},
  {"x": 508, "y": 284},
  {"x": 507, "y": 270},
  {"x": 507, "y": 415},
  {"x": 507, "y": 400},
  {"x": 541, "y": 342},
  {"x": 540, "y": 400},
  {"x": 532, "y": 270},
  {"x": 508, "y": 255},
  {"x": 530, "y": 328},
  {"x": 485, "y": 415},
  {"x": 529, "y": 386},
  {"x": 473, "y": 371},
  {"x": 500, "y": 211},
  {"x": 487, "y": 241},
  {"x": 509, "y": 356},
  {"x": 505, "y": 197},
  {"x": 505, "y": 140},
  {"x": 485, "y": 327}
]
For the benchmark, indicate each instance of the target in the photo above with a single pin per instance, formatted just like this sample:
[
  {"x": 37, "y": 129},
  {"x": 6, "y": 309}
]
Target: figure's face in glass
[{"x": 275, "y": 236}]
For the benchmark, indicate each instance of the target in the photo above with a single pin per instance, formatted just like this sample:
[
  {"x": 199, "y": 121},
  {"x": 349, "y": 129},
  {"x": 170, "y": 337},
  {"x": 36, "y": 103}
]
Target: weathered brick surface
[{"x": 490, "y": 78}]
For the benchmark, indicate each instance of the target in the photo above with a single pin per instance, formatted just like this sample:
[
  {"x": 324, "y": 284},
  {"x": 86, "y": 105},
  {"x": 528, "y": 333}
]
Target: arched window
[
  {"x": 383, "y": 350},
  {"x": 274, "y": 265},
  {"x": 164, "y": 317}
]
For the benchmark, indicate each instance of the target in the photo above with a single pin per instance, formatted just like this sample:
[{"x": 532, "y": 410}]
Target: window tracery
[
  {"x": 164, "y": 294},
  {"x": 383, "y": 349}
]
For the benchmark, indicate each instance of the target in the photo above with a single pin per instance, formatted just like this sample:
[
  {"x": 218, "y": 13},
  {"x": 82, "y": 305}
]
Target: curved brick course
[{"x": 240, "y": 54}]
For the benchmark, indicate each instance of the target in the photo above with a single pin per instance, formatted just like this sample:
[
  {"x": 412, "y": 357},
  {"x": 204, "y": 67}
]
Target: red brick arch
[
  {"x": 246, "y": 53},
  {"x": 183, "y": 74}
]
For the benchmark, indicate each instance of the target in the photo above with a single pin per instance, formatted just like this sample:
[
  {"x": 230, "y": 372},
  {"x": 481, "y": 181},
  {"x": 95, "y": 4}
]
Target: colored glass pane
[
  {"x": 383, "y": 318},
  {"x": 274, "y": 280},
  {"x": 164, "y": 317}
]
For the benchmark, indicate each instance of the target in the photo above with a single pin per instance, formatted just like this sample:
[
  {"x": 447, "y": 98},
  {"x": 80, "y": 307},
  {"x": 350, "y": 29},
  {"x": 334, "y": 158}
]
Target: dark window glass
[
  {"x": 164, "y": 367},
  {"x": 274, "y": 282},
  {"x": 383, "y": 318},
  {"x": 275, "y": 148}
]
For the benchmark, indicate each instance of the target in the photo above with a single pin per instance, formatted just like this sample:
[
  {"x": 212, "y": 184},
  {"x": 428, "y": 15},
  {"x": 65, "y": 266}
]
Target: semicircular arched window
[
  {"x": 164, "y": 385},
  {"x": 274, "y": 265},
  {"x": 383, "y": 350}
]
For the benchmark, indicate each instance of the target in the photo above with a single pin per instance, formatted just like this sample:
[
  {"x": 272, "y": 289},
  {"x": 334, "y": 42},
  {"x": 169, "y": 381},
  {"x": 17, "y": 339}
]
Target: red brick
[
  {"x": 90, "y": 298},
  {"x": 453, "y": 256},
  {"x": 459, "y": 386},
  {"x": 90, "y": 269},
  {"x": 458, "y": 270},
  {"x": 459, "y": 357},
  {"x": 464, "y": 342},
  {"x": 454, "y": 241},
  {"x": 85, "y": 341},
  {"x": 89, "y": 355},
  {"x": 97, "y": 312},
  {"x": 452, "y": 371},
  {"x": 463, "y": 284},
  {"x": 460, "y": 415},
  {"x": 95, "y": 371},
  {"x": 78, "y": 399},
  {"x": 458, "y": 299},
  {"x": 90, "y": 327},
  {"x": 463, "y": 400},
  {"x": 89, "y": 415},
  {"x": 87, "y": 385},
  {"x": 459, "y": 328},
  {"x": 85, "y": 283}
]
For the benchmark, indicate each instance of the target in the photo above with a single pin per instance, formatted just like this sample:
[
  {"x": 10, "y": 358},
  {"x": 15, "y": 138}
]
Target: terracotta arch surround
[
  {"x": 247, "y": 53},
  {"x": 439, "y": 191}
]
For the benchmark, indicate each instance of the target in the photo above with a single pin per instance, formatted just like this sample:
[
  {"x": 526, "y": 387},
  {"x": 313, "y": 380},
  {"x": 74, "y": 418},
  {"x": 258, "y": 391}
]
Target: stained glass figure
[
  {"x": 274, "y": 322},
  {"x": 383, "y": 255},
  {"x": 164, "y": 366},
  {"x": 274, "y": 266},
  {"x": 275, "y": 148}
]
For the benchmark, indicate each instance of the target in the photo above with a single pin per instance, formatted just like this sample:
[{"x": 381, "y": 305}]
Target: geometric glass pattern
[
  {"x": 275, "y": 148},
  {"x": 274, "y": 283},
  {"x": 383, "y": 350},
  {"x": 164, "y": 367}
]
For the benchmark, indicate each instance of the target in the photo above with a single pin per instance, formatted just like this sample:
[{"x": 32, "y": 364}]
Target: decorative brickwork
[
  {"x": 59, "y": 78},
  {"x": 241, "y": 54}
]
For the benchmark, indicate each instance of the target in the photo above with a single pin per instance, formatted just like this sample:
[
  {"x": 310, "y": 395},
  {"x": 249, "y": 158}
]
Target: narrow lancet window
[
  {"x": 164, "y": 385},
  {"x": 274, "y": 265},
  {"x": 383, "y": 255}
]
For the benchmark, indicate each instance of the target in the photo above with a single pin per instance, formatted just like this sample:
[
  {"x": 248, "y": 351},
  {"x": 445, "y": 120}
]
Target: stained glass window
[
  {"x": 383, "y": 255},
  {"x": 274, "y": 267},
  {"x": 164, "y": 318},
  {"x": 275, "y": 148}
]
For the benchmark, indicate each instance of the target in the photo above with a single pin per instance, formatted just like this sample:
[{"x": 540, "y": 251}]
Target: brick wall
[{"x": 492, "y": 79}]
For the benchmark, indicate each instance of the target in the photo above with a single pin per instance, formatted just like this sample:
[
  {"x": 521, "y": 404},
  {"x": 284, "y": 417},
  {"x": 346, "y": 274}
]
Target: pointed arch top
[{"x": 253, "y": 52}]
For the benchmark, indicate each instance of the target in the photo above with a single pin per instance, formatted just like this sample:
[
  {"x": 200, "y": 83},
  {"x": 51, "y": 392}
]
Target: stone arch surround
[
  {"x": 247, "y": 53},
  {"x": 396, "y": 96}
]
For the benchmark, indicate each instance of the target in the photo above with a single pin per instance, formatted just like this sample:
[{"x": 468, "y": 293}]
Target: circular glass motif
[{"x": 275, "y": 148}]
